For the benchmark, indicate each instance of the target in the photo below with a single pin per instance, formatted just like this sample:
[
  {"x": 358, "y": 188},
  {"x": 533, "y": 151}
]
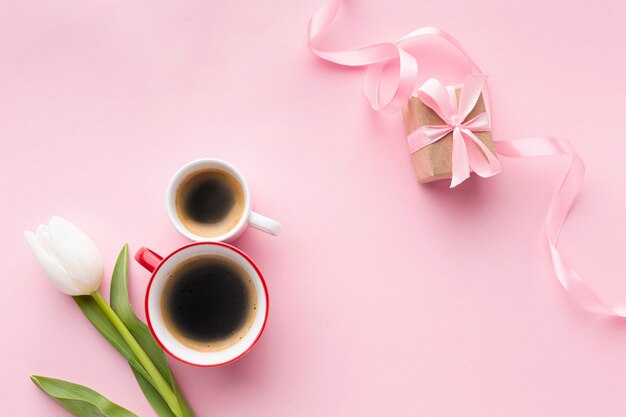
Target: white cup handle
[{"x": 258, "y": 221}]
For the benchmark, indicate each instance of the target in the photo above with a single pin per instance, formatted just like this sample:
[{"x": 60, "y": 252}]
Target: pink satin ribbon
[
  {"x": 559, "y": 209},
  {"x": 377, "y": 57},
  {"x": 468, "y": 152}
]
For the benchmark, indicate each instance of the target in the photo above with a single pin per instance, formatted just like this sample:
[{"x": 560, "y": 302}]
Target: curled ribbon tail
[
  {"x": 557, "y": 214},
  {"x": 429, "y": 31},
  {"x": 404, "y": 83},
  {"x": 574, "y": 284},
  {"x": 377, "y": 57}
]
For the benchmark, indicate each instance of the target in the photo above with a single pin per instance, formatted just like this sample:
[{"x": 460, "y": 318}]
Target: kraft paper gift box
[{"x": 434, "y": 162}]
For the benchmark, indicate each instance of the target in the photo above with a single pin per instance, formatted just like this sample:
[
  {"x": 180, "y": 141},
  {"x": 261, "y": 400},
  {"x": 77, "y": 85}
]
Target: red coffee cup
[{"x": 161, "y": 269}]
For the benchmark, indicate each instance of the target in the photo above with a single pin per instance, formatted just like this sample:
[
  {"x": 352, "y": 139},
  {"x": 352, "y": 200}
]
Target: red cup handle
[{"x": 148, "y": 259}]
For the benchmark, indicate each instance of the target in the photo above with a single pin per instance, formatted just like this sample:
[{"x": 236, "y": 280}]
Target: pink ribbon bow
[{"x": 468, "y": 152}]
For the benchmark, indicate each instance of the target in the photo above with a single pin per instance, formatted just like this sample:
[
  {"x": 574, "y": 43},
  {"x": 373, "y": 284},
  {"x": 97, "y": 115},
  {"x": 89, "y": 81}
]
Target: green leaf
[
  {"x": 185, "y": 407},
  {"x": 120, "y": 303},
  {"x": 152, "y": 395},
  {"x": 102, "y": 323},
  {"x": 80, "y": 400}
]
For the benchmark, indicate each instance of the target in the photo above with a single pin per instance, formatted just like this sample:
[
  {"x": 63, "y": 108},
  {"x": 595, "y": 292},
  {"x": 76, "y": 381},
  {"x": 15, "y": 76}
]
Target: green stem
[{"x": 160, "y": 384}]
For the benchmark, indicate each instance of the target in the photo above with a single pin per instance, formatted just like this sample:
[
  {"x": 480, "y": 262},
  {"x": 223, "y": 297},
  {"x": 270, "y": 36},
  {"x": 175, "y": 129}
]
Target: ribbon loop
[
  {"x": 470, "y": 94},
  {"x": 433, "y": 94}
]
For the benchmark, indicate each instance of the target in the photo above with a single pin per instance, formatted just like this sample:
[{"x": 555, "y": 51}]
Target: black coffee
[
  {"x": 210, "y": 202},
  {"x": 209, "y": 199},
  {"x": 209, "y": 302}
]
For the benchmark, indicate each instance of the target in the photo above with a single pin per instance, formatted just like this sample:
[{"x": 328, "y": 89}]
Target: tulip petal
[
  {"x": 76, "y": 253},
  {"x": 43, "y": 237},
  {"x": 55, "y": 272}
]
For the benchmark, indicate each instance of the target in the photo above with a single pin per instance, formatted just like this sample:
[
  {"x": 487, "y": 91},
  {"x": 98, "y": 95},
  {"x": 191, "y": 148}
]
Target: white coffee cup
[{"x": 248, "y": 217}]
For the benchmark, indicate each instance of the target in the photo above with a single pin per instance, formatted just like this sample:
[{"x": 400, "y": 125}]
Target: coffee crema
[
  {"x": 210, "y": 202},
  {"x": 209, "y": 303}
]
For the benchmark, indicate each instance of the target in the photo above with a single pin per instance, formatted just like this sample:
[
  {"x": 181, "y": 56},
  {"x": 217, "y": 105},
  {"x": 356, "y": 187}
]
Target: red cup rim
[{"x": 156, "y": 270}]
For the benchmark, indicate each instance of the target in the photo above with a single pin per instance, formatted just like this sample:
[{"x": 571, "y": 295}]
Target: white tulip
[{"x": 69, "y": 258}]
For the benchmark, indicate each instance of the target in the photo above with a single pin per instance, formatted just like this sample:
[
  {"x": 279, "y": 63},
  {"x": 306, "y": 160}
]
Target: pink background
[{"x": 387, "y": 298}]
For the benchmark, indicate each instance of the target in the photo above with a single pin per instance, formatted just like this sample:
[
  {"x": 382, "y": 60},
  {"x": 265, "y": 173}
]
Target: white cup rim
[
  {"x": 262, "y": 296},
  {"x": 184, "y": 172}
]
